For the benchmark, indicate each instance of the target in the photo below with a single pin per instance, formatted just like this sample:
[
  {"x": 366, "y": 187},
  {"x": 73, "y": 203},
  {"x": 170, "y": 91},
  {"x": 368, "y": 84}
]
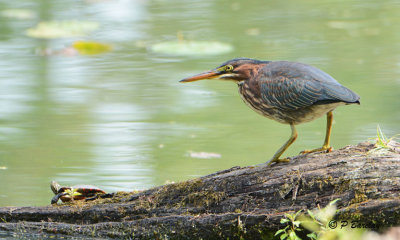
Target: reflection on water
[{"x": 122, "y": 121}]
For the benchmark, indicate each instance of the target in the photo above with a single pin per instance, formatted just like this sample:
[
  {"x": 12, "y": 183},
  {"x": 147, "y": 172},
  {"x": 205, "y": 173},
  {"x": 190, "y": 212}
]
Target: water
[{"x": 122, "y": 121}]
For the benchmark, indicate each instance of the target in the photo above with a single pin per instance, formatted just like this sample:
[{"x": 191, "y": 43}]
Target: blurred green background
[{"x": 120, "y": 120}]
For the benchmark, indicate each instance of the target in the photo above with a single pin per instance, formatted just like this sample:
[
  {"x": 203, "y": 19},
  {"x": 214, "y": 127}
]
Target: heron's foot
[
  {"x": 321, "y": 149},
  {"x": 279, "y": 160}
]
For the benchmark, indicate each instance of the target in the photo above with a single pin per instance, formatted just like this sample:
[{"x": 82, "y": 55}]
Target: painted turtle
[{"x": 77, "y": 192}]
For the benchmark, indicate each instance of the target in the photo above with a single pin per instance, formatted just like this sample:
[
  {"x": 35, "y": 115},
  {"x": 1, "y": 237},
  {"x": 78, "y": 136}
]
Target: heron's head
[{"x": 238, "y": 69}]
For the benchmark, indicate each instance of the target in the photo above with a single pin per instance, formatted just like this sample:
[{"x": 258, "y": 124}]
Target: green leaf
[
  {"x": 61, "y": 29},
  {"x": 334, "y": 201},
  {"x": 296, "y": 223},
  {"x": 312, "y": 235},
  {"x": 289, "y": 216},
  {"x": 279, "y": 232},
  {"x": 192, "y": 48},
  {"x": 292, "y": 236},
  {"x": 297, "y": 213},
  {"x": 284, "y": 220},
  {"x": 311, "y": 214},
  {"x": 284, "y": 236},
  {"x": 286, "y": 228}
]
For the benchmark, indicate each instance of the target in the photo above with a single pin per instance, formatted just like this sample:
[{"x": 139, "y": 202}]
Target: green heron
[{"x": 287, "y": 92}]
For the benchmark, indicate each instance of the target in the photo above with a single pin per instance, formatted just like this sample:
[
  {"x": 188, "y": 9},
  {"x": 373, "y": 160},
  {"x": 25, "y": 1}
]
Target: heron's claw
[
  {"x": 278, "y": 161},
  {"x": 322, "y": 149}
]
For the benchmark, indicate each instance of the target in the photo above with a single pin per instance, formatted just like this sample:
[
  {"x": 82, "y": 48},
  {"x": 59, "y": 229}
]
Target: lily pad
[
  {"x": 91, "y": 48},
  {"x": 62, "y": 29},
  {"x": 192, "y": 48},
  {"x": 20, "y": 14}
]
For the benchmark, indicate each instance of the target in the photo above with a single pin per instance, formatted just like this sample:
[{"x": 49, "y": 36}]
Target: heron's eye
[{"x": 228, "y": 68}]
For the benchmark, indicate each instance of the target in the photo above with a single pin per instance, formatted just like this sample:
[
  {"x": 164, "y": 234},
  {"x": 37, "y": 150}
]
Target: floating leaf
[
  {"x": 91, "y": 48},
  {"x": 204, "y": 155},
  {"x": 62, "y": 29},
  {"x": 21, "y": 14},
  {"x": 192, "y": 48}
]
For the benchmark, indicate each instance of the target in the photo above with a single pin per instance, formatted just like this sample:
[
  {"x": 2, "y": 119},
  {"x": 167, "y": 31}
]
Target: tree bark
[{"x": 241, "y": 202}]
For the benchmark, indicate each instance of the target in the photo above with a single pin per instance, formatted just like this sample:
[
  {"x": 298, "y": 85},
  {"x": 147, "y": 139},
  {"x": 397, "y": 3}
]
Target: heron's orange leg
[
  {"x": 326, "y": 147},
  {"x": 285, "y": 146}
]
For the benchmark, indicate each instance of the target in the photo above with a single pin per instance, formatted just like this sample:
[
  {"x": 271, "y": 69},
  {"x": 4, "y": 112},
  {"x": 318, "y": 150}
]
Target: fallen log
[{"x": 241, "y": 202}]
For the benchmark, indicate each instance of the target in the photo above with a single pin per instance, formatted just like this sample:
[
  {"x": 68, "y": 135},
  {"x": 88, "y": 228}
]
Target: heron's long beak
[{"x": 206, "y": 75}]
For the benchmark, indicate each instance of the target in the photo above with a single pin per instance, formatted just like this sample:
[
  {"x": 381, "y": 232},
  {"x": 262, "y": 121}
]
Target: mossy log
[{"x": 241, "y": 202}]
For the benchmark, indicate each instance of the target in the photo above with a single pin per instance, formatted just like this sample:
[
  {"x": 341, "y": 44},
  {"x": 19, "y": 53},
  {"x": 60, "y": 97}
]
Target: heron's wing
[
  {"x": 290, "y": 86},
  {"x": 290, "y": 93},
  {"x": 337, "y": 93}
]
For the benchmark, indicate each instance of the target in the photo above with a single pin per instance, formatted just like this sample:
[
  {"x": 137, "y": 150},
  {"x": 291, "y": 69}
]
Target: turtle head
[{"x": 55, "y": 187}]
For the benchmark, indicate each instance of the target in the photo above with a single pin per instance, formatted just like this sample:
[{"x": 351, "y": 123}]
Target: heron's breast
[{"x": 252, "y": 98}]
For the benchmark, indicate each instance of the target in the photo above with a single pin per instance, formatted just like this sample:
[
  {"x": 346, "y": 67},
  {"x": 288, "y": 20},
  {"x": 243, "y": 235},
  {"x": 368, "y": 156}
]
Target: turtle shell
[{"x": 87, "y": 190}]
